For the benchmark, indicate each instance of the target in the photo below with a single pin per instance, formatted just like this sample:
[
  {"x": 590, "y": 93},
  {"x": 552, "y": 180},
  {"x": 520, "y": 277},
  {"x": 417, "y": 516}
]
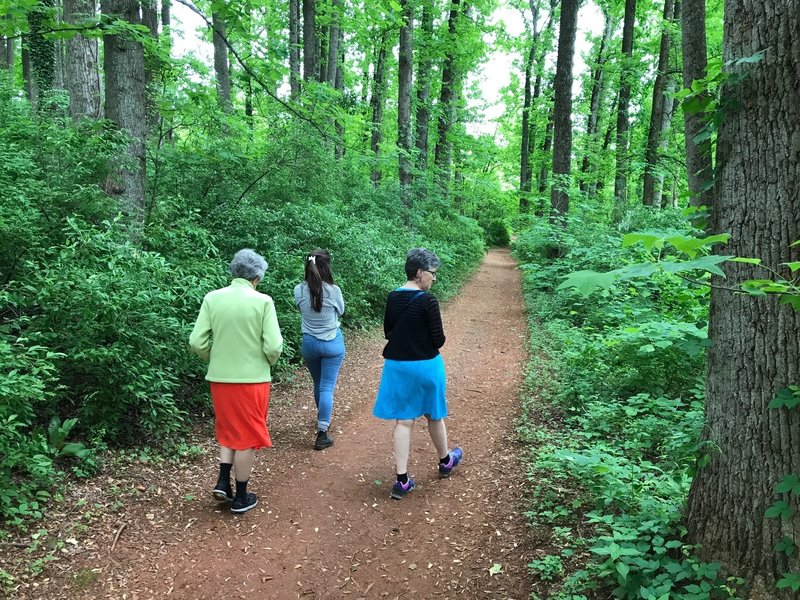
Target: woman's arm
[
  {"x": 200, "y": 338},
  {"x": 435, "y": 321},
  {"x": 271, "y": 338}
]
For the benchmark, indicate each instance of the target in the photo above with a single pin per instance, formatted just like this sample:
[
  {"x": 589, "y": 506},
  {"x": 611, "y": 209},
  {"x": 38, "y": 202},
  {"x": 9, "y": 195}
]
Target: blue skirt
[{"x": 412, "y": 388}]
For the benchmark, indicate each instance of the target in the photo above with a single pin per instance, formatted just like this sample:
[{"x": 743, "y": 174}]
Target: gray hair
[
  {"x": 248, "y": 264},
  {"x": 420, "y": 258}
]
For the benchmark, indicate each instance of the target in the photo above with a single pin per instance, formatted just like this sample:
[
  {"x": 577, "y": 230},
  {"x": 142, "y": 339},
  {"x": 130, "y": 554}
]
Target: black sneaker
[
  {"x": 222, "y": 493},
  {"x": 323, "y": 441},
  {"x": 242, "y": 505}
]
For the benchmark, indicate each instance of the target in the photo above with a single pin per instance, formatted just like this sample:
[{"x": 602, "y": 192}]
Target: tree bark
[
  {"x": 310, "y": 44},
  {"x": 527, "y": 101},
  {"x": 654, "y": 132},
  {"x": 123, "y": 64},
  {"x": 31, "y": 91},
  {"x": 7, "y": 55},
  {"x": 562, "y": 113},
  {"x": 698, "y": 156},
  {"x": 332, "y": 62},
  {"x": 82, "y": 65},
  {"x": 598, "y": 81},
  {"x": 376, "y": 103},
  {"x": 405, "y": 142},
  {"x": 621, "y": 173},
  {"x": 754, "y": 352},
  {"x": 547, "y": 146},
  {"x": 294, "y": 48},
  {"x": 221, "y": 64},
  {"x": 447, "y": 100},
  {"x": 42, "y": 54},
  {"x": 423, "y": 109}
]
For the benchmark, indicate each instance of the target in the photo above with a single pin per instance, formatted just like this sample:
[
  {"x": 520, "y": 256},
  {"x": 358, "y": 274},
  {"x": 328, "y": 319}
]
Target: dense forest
[{"x": 651, "y": 200}]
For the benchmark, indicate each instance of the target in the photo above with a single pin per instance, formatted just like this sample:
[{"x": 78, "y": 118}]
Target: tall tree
[
  {"x": 123, "y": 65},
  {"x": 562, "y": 112},
  {"x": 294, "y": 47},
  {"x": 698, "y": 155},
  {"x": 405, "y": 142},
  {"x": 447, "y": 101},
  {"x": 524, "y": 167},
  {"x": 622, "y": 160},
  {"x": 598, "y": 82},
  {"x": 42, "y": 53},
  {"x": 332, "y": 62},
  {"x": 424, "y": 47},
  {"x": 221, "y": 62},
  {"x": 310, "y": 42},
  {"x": 7, "y": 54},
  {"x": 754, "y": 352},
  {"x": 82, "y": 68},
  {"x": 651, "y": 195},
  {"x": 376, "y": 103}
]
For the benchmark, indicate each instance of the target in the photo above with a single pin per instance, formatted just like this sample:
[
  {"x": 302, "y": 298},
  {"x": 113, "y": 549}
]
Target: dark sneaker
[
  {"x": 401, "y": 489},
  {"x": 222, "y": 493},
  {"x": 323, "y": 441},
  {"x": 242, "y": 505},
  {"x": 454, "y": 458}
]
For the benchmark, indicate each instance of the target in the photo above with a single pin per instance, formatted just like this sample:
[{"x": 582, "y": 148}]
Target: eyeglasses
[{"x": 431, "y": 272}]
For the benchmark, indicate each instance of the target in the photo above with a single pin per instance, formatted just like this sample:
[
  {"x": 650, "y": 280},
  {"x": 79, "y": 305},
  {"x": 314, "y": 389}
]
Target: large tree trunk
[
  {"x": 7, "y": 55},
  {"x": 649, "y": 194},
  {"x": 42, "y": 54},
  {"x": 562, "y": 113},
  {"x": 527, "y": 101},
  {"x": 332, "y": 62},
  {"x": 447, "y": 101},
  {"x": 698, "y": 156},
  {"x": 755, "y": 351},
  {"x": 423, "y": 108},
  {"x": 221, "y": 64},
  {"x": 405, "y": 142},
  {"x": 294, "y": 48},
  {"x": 666, "y": 125},
  {"x": 123, "y": 64},
  {"x": 547, "y": 146},
  {"x": 376, "y": 104},
  {"x": 82, "y": 66},
  {"x": 598, "y": 81},
  {"x": 310, "y": 44},
  {"x": 31, "y": 92},
  {"x": 621, "y": 173}
]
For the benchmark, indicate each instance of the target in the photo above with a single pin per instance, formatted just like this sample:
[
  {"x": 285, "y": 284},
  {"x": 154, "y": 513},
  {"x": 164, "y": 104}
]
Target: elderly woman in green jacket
[{"x": 237, "y": 333}]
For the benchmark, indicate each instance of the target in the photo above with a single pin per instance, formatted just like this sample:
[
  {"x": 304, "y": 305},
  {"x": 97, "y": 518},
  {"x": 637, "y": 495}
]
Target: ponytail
[{"x": 317, "y": 272}]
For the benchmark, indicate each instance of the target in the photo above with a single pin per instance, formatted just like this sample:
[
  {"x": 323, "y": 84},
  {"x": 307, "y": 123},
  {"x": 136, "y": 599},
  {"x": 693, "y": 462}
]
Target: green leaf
[
  {"x": 789, "y": 484},
  {"x": 750, "y": 261},
  {"x": 789, "y": 580},
  {"x": 648, "y": 240},
  {"x": 780, "y": 509},
  {"x": 793, "y": 266},
  {"x": 704, "y": 263},
  {"x": 495, "y": 569},
  {"x": 786, "y": 545},
  {"x": 587, "y": 282},
  {"x": 623, "y": 570},
  {"x": 785, "y": 398}
]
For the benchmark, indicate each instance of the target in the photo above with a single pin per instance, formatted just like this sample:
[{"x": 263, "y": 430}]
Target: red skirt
[{"x": 241, "y": 414}]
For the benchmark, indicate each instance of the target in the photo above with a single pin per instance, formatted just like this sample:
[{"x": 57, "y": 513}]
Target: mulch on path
[{"x": 325, "y": 527}]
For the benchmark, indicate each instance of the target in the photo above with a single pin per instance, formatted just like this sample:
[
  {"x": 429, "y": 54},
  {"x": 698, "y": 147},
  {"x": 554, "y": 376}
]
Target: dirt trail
[{"x": 326, "y": 527}]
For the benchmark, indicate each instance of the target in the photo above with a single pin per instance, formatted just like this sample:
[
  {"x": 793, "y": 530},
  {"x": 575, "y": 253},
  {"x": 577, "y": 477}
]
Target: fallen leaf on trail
[{"x": 495, "y": 569}]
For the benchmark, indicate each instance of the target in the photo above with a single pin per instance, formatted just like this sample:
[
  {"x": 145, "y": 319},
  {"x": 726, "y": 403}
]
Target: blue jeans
[{"x": 323, "y": 359}]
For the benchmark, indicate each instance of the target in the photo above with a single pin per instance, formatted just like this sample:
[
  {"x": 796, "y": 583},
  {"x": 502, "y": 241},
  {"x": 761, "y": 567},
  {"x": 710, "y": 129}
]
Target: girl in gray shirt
[{"x": 321, "y": 304}]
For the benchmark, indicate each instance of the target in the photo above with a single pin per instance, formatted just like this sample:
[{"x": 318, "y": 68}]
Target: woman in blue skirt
[{"x": 413, "y": 378}]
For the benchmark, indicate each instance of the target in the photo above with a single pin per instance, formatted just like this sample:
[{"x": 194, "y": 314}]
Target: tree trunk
[
  {"x": 666, "y": 125},
  {"x": 332, "y": 62},
  {"x": 562, "y": 113},
  {"x": 423, "y": 112},
  {"x": 447, "y": 98},
  {"x": 376, "y": 103},
  {"x": 524, "y": 162},
  {"x": 594, "y": 107},
  {"x": 339, "y": 85},
  {"x": 221, "y": 65},
  {"x": 294, "y": 48},
  {"x": 754, "y": 352},
  {"x": 310, "y": 44},
  {"x": 82, "y": 67},
  {"x": 654, "y": 132},
  {"x": 698, "y": 156},
  {"x": 547, "y": 145},
  {"x": 7, "y": 55},
  {"x": 42, "y": 54},
  {"x": 166, "y": 19},
  {"x": 123, "y": 64},
  {"x": 31, "y": 91},
  {"x": 405, "y": 142},
  {"x": 621, "y": 173}
]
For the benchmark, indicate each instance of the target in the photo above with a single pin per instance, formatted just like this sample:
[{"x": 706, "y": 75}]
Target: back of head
[
  {"x": 248, "y": 264},
  {"x": 420, "y": 258},
  {"x": 317, "y": 272}
]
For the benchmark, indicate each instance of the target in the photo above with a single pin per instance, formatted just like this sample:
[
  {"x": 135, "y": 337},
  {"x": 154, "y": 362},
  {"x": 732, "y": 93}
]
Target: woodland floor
[{"x": 325, "y": 526}]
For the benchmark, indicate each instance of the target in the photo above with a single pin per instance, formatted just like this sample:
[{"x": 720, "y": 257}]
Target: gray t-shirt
[{"x": 322, "y": 325}]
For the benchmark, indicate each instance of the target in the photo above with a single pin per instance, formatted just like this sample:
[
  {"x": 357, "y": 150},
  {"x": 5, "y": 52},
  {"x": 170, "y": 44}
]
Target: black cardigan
[{"x": 413, "y": 326}]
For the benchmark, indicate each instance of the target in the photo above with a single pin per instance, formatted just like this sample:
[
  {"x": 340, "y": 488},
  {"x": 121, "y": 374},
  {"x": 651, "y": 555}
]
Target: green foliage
[{"x": 629, "y": 366}]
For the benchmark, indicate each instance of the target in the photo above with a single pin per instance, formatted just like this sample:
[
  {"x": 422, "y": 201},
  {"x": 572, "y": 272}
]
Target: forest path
[{"x": 325, "y": 527}]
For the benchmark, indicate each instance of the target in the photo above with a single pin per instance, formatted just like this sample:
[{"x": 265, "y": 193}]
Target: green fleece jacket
[{"x": 237, "y": 333}]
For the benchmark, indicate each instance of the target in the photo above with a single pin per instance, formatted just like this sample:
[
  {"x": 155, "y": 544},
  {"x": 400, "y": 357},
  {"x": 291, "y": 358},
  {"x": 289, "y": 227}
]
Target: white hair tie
[{"x": 313, "y": 259}]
